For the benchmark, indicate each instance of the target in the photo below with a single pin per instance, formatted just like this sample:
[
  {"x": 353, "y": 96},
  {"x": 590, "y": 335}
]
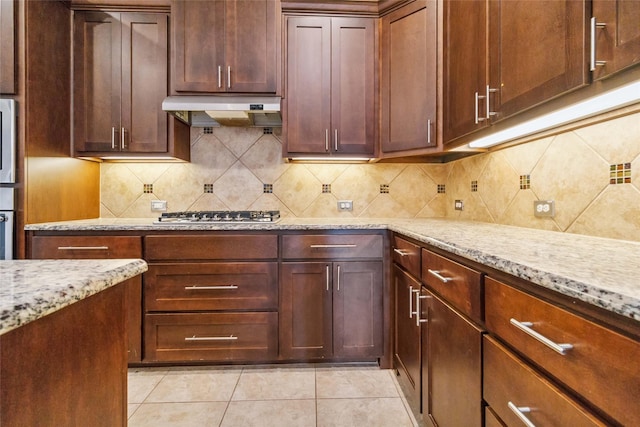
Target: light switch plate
[
  {"x": 345, "y": 205},
  {"x": 459, "y": 205}
]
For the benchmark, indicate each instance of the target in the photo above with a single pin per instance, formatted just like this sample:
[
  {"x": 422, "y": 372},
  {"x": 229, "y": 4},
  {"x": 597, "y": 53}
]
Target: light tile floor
[{"x": 265, "y": 396}]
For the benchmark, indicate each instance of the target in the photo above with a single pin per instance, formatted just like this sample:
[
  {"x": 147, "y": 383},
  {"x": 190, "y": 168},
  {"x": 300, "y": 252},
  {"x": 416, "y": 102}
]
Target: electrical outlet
[
  {"x": 459, "y": 205},
  {"x": 544, "y": 208},
  {"x": 158, "y": 205},
  {"x": 345, "y": 205}
]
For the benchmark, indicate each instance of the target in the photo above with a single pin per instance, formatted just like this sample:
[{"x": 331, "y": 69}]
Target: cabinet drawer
[
  {"x": 457, "y": 284},
  {"x": 81, "y": 247},
  {"x": 334, "y": 246},
  {"x": 507, "y": 379},
  {"x": 211, "y": 337},
  {"x": 602, "y": 366},
  {"x": 192, "y": 287},
  {"x": 407, "y": 255},
  {"x": 211, "y": 247}
]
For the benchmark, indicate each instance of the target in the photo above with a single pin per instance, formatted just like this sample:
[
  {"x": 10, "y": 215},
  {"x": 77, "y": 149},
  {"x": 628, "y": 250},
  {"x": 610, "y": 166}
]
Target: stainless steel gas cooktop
[{"x": 199, "y": 217}]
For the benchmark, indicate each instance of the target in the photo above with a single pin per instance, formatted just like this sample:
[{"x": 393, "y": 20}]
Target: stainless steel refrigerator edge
[{"x": 8, "y": 113}]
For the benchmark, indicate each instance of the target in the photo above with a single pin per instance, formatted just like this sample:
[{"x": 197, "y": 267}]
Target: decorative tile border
[
  {"x": 474, "y": 186},
  {"x": 147, "y": 188},
  {"x": 442, "y": 188},
  {"x": 326, "y": 188},
  {"x": 208, "y": 188},
  {"x": 267, "y": 188},
  {"x": 525, "y": 182},
  {"x": 384, "y": 188}
]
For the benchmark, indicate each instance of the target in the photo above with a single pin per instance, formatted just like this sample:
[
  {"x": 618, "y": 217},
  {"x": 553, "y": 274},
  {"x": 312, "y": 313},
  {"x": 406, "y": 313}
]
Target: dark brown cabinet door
[
  {"x": 452, "y": 367},
  {"x": 308, "y": 103},
  {"x": 357, "y": 309},
  {"x": 407, "y": 333},
  {"x": 408, "y": 78},
  {"x": 120, "y": 80},
  {"x": 7, "y": 47},
  {"x": 224, "y": 46},
  {"x": 306, "y": 310},
  {"x": 618, "y": 41},
  {"x": 464, "y": 67},
  {"x": 330, "y": 106},
  {"x": 331, "y": 310},
  {"x": 537, "y": 51},
  {"x": 97, "y": 81},
  {"x": 144, "y": 82}
]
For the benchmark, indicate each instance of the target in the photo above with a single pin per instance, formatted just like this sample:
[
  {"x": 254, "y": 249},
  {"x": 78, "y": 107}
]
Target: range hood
[{"x": 211, "y": 111}]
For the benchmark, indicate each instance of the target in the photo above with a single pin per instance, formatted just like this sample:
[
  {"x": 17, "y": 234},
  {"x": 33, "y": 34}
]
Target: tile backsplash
[{"x": 591, "y": 173}]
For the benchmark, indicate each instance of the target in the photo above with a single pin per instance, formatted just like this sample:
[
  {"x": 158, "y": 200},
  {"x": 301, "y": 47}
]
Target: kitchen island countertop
[
  {"x": 32, "y": 289},
  {"x": 603, "y": 272}
]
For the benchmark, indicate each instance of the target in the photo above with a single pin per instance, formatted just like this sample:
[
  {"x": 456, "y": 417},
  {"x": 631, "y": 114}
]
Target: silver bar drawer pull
[
  {"x": 83, "y": 248},
  {"x": 526, "y": 327},
  {"x": 520, "y": 413},
  {"x": 439, "y": 276},
  {"x": 195, "y": 338},
  {"x": 401, "y": 252},
  {"x": 333, "y": 246},
  {"x": 209, "y": 288}
]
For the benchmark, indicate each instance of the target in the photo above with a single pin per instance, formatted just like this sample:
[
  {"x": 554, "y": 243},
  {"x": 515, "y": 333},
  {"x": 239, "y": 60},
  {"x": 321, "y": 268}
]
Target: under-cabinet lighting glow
[
  {"x": 608, "y": 101},
  {"x": 330, "y": 159}
]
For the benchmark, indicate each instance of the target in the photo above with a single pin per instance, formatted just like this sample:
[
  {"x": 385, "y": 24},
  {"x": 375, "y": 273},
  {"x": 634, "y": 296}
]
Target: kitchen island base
[{"x": 68, "y": 368}]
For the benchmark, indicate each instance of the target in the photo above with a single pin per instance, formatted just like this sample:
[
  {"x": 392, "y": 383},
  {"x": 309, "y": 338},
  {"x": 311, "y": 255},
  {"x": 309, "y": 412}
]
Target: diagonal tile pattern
[
  {"x": 265, "y": 396},
  {"x": 571, "y": 168}
]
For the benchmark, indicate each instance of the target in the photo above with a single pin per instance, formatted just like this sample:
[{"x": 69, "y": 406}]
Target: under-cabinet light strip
[{"x": 608, "y": 101}]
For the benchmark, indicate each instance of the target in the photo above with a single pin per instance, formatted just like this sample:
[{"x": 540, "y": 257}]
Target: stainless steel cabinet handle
[
  {"x": 338, "y": 278},
  {"x": 593, "y": 62},
  {"x": 333, "y": 246},
  {"x": 123, "y": 144},
  {"x": 219, "y": 76},
  {"x": 410, "y": 302},
  {"x": 326, "y": 140},
  {"x": 526, "y": 328},
  {"x": 520, "y": 413},
  {"x": 209, "y": 288},
  {"x": 439, "y": 276},
  {"x": 478, "y": 98},
  {"x": 83, "y": 248},
  {"x": 419, "y": 308},
  {"x": 335, "y": 132},
  {"x": 417, "y": 312},
  {"x": 489, "y": 112},
  {"x": 401, "y": 252},
  {"x": 229, "y": 76},
  {"x": 113, "y": 137},
  {"x": 195, "y": 338},
  {"x": 429, "y": 131},
  {"x": 327, "y": 273}
]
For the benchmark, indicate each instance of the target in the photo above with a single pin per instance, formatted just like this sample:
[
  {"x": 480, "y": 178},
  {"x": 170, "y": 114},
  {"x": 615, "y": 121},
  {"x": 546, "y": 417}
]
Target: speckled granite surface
[
  {"x": 31, "y": 289},
  {"x": 603, "y": 272}
]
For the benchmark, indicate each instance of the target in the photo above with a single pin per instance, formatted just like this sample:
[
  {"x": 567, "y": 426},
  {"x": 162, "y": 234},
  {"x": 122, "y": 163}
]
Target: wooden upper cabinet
[
  {"x": 503, "y": 57},
  {"x": 120, "y": 80},
  {"x": 331, "y": 72},
  {"x": 7, "y": 47},
  {"x": 464, "y": 67},
  {"x": 617, "y": 35},
  {"x": 408, "y": 78},
  {"x": 225, "y": 46},
  {"x": 537, "y": 51}
]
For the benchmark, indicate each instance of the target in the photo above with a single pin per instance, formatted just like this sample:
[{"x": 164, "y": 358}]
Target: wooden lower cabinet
[
  {"x": 220, "y": 337},
  {"x": 331, "y": 310},
  {"x": 451, "y": 366},
  {"x": 515, "y": 391},
  {"x": 101, "y": 246},
  {"x": 406, "y": 353},
  {"x": 211, "y": 298}
]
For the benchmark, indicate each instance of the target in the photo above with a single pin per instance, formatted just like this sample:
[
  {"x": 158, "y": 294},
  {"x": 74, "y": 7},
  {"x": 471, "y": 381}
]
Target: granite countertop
[
  {"x": 32, "y": 289},
  {"x": 599, "y": 271}
]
